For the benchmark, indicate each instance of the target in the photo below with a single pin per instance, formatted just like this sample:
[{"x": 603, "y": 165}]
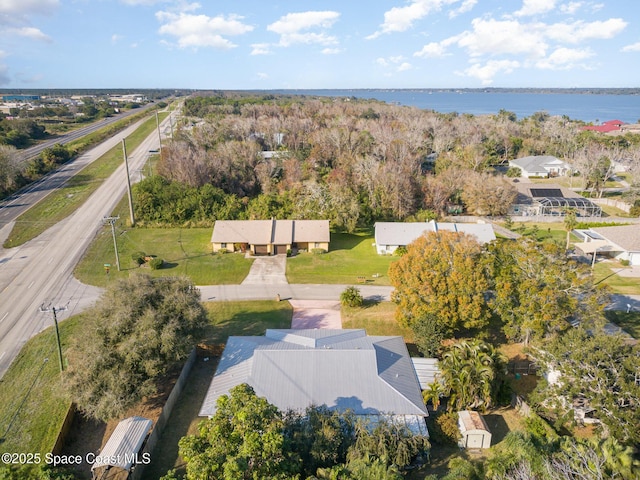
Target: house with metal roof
[
  {"x": 391, "y": 235},
  {"x": 371, "y": 376},
  {"x": 540, "y": 166},
  {"x": 621, "y": 242},
  {"x": 270, "y": 237},
  {"x": 535, "y": 199}
]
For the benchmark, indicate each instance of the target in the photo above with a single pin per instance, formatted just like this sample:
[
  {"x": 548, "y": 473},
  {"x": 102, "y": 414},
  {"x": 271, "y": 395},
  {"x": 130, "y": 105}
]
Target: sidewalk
[{"x": 217, "y": 293}]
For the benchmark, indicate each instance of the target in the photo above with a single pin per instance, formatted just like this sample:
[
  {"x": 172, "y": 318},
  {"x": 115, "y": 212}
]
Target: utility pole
[
  {"x": 159, "y": 137},
  {"x": 55, "y": 321},
  {"x": 112, "y": 221},
  {"x": 171, "y": 123},
  {"x": 126, "y": 165}
]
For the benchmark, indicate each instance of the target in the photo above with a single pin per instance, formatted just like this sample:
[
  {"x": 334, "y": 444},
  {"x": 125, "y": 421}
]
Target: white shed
[{"x": 474, "y": 430}]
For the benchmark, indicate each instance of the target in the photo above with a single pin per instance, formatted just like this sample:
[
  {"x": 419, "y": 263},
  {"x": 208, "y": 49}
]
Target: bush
[
  {"x": 318, "y": 251},
  {"x": 625, "y": 263},
  {"x": 351, "y": 297},
  {"x": 156, "y": 263},
  {"x": 138, "y": 257},
  {"x": 223, "y": 251},
  {"x": 514, "y": 172},
  {"x": 444, "y": 430},
  {"x": 400, "y": 251},
  {"x": 289, "y": 252}
]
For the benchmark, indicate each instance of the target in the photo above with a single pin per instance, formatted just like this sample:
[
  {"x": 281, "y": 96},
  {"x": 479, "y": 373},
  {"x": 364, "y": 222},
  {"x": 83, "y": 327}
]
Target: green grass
[
  {"x": 548, "y": 232},
  {"x": 245, "y": 318},
  {"x": 376, "y": 319},
  {"x": 350, "y": 256},
  {"x": 629, "y": 322},
  {"x": 185, "y": 252},
  {"x": 606, "y": 273},
  {"x": 63, "y": 202},
  {"x": 33, "y": 403}
]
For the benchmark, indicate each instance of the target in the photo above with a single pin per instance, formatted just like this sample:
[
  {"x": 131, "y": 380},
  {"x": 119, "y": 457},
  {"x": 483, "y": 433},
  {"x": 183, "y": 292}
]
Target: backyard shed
[
  {"x": 474, "y": 430},
  {"x": 123, "y": 447}
]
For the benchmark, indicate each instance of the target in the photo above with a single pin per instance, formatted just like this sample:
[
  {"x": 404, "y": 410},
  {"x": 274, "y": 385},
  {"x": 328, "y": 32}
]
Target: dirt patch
[{"x": 89, "y": 436}]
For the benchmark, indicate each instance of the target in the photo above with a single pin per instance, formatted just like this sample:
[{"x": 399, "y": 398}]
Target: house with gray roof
[
  {"x": 550, "y": 199},
  {"x": 621, "y": 242},
  {"x": 371, "y": 376},
  {"x": 270, "y": 237},
  {"x": 391, "y": 235},
  {"x": 544, "y": 166}
]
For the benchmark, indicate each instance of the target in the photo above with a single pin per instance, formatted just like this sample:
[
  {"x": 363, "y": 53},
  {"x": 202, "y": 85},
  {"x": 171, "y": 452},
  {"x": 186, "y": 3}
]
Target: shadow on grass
[
  {"x": 372, "y": 301},
  {"x": 497, "y": 426},
  {"x": 345, "y": 241}
]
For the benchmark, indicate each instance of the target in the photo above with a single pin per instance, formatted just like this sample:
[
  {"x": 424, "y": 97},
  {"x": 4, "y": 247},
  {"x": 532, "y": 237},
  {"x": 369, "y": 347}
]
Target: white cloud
[
  {"x": 331, "y": 51},
  {"x": 30, "y": 33},
  {"x": 261, "y": 49},
  {"x": 634, "y": 47},
  {"x": 580, "y": 31},
  {"x": 404, "y": 66},
  {"x": 486, "y": 72},
  {"x": 502, "y": 37},
  {"x": 28, "y": 7},
  {"x": 262, "y": 75},
  {"x": 134, "y": 3},
  {"x": 293, "y": 27},
  {"x": 571, "y": 7},
  {"x": 115, "y": 38},
  {"x": 565, "y": 58},
  {"x": 535, "y": 7},
  {"x": 201, "y": 30},
  {"x": 466, "y": 6},
  {"x": 432, "y": 49},
  {"x": 382, "y": 62},
  {"x": 396, "y": 63},
  {"x": 400, "y": 19}
]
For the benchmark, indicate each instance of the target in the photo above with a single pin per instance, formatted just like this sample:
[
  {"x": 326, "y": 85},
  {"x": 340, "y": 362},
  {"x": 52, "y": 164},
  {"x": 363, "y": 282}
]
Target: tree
[
  {"x": 485, "y": 194},
  {"x": 140, "y": 328},
  {"x": 598, "y": 369},
  {"x": 441, "y": 276},
  {"x": 570, "y": 222},
  {"x": 538, "y": 290},
  {"x": 470, "y": 370},
  {"x": 243, "y": 440}
]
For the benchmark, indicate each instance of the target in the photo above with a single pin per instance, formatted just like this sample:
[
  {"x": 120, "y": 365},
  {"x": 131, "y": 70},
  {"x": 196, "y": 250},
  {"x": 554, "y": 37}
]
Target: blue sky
[{"x": 282, "y": 44}]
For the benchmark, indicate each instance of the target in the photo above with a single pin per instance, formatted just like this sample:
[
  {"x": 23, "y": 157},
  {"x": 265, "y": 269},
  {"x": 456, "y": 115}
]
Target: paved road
[
  {"x": 41, "y": 271},
  {"x": 212, "y": 293}
]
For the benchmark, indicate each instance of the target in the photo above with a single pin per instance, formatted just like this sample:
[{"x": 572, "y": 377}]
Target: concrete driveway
[
  {"x": 267, "y": 271},
  {"x": 316, "y": 314}
]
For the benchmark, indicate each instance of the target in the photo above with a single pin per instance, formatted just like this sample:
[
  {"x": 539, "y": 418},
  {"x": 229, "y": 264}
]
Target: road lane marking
[
  {"x": 30, "y": 285},
  {"x": 5, "y": 316},
  {"x": 3, "y": 354}
]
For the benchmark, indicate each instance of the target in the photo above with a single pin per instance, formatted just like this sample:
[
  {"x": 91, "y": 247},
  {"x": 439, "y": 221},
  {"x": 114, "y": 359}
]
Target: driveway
[
  {"x": 267, "y": 271},
  {"x": 316, "y": 314}
]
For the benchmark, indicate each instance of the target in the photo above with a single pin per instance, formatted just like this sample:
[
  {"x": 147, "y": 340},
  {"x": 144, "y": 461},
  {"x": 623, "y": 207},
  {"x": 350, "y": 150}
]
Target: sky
[{"x": 307, "y": 44}]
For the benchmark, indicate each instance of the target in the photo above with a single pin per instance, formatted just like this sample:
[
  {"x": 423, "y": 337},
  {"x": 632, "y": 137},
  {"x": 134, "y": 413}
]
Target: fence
[
  {"x": 520, "y": 405},
  {"x": 523, "y": 368},
  {"x": 137, "y": 472},
  {"x": 625, "y": 207}
]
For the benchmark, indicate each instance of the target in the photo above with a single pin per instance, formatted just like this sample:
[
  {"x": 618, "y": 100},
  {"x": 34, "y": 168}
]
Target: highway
[
  {"x": 41, "y": 271},
  {"x": 31, "y": 152}
]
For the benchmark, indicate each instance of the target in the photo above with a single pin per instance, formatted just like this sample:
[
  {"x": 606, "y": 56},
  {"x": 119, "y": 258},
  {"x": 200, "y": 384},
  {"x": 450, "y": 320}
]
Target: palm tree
[
  {"x": 433, "y": 392},
  {"x": 469, "y": 369},
  {"x": 570, "y": 222}
]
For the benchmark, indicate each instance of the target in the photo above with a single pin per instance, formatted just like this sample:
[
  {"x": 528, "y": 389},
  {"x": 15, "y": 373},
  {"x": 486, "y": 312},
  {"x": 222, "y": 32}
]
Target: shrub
[
  {"x": 289, "y": 253},
  {"x": 445, "y": 429},
  {"x": 138, "y": 257},
  {"x": 351, "y": 297},
  {"x": 223, "y": 251},
  {"x": 318, "y": 251},
  {"x": 400, "y": 251},
  {"x": 514, "y": 172},
  {"x": 156, "y": 263},
  {"x": 625, "y": 263}
]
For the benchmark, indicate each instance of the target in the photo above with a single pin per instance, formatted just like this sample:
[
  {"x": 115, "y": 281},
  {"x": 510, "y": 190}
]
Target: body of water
[{"x": 596, "y": 108}]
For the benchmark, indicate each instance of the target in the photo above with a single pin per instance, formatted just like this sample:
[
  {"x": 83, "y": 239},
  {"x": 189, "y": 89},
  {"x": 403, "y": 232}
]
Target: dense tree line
[
  {"x": 20, "y": 133},
  {"x": 356, "y": 162}
]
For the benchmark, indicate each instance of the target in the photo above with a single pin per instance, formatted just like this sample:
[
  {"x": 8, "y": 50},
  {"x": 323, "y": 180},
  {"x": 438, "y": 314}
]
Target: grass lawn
[
  {"x": 376, "y": 319},
  {"x": 33, "y": 404},
  {"x": 186, "y": 251},
  {"x": 629, "y": 322},
  {"x": 543, "y": 231},
  {"x": 350, "y": 256},
  {"x": 63, "y": 202},
  {"x": 606, "y": 273}
]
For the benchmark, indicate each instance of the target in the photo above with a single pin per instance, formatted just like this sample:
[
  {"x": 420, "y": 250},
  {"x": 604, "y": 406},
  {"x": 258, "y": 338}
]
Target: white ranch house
[{"x": 540, "y": 166}]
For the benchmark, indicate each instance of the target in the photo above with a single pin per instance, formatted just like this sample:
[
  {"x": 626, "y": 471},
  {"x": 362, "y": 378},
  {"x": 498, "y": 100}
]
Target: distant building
[
  {"x": 606, "y": 127},
  {"x": 621, "y": 242},
  {"x": 544, "y": 166},
  {"x": 536, "y": 199},
  {"x": 391, "y": 235},
  {"x": 345, "y": 370}
]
